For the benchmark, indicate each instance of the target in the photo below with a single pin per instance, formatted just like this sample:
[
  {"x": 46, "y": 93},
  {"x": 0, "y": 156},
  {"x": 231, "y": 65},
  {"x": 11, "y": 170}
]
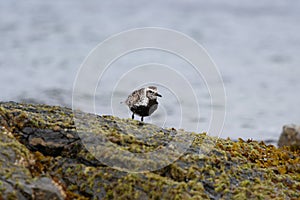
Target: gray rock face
[
  {"x": 16, "y": 179},
  {"x": 290, "y": 136}
]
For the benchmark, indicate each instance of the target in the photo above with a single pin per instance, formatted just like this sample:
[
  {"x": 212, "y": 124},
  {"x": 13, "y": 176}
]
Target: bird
[{"x": 143, "y": 102}]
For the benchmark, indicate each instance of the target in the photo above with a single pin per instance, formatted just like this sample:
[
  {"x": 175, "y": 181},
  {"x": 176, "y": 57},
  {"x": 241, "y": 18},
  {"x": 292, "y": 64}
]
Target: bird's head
[{"x": 151, "y": 92}]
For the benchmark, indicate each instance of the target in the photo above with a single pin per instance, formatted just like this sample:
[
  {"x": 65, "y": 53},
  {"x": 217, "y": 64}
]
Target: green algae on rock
[
  {"x": 40, "y": 142},
  {"x": 16, "y": 179}
]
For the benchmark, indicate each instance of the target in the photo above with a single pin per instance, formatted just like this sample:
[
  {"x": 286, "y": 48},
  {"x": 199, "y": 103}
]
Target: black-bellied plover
[{"x": 143, "y": 102}]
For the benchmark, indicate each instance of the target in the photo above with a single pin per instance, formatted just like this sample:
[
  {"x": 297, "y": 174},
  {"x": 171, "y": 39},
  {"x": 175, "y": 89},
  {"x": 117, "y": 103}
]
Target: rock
[
  {"x": 16, "y": 180},
  {"x": 43, "y": 156},
  {"x": 290, "y": 136}
]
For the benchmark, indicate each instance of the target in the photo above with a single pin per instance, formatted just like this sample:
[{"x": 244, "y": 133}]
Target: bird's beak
[{"x": 158, "y": 95}]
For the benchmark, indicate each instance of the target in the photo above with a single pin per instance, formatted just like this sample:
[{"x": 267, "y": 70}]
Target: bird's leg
[
  {"x": 132, "y": 116},
  {"x": 142, "y": 119}
]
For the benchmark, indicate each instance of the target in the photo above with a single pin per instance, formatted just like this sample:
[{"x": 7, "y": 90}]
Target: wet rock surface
[
  {"x": 16, "y": 179},
  {"x": 43, "y": 157}
]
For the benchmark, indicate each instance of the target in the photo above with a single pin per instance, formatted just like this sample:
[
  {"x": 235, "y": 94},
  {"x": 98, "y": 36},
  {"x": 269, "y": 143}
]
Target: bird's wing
[{"x": 133, "y": 97}]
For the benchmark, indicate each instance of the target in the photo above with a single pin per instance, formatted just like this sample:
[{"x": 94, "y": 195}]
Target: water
[{"x": 255, "y": 45}]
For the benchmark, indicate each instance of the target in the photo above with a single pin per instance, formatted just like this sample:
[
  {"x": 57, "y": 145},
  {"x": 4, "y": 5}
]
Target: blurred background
[{"x": 255, "y": 44}]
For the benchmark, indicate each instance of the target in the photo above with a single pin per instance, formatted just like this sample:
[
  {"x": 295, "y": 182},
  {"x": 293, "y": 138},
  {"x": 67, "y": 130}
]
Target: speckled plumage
[{"x": 143, "y": 102}]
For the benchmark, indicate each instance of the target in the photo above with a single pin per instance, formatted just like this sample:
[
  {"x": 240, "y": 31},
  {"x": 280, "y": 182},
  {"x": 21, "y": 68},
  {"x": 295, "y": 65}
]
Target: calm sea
[{"x": 255, "y": 44}]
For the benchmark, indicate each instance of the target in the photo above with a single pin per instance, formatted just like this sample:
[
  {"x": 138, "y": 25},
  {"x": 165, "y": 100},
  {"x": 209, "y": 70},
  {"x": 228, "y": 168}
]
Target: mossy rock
[
  {"x": 16, "y": 176},
  {"x": 209, "y": 168},
  {"x": 290, "y": 136}
]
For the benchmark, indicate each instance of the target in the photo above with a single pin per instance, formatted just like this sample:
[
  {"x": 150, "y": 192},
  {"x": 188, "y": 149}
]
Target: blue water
[{"x": 255, "y": 44}]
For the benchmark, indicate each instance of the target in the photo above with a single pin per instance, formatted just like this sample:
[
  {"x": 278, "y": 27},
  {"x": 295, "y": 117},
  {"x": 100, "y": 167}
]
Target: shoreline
[{"x": 43, "y": 155}]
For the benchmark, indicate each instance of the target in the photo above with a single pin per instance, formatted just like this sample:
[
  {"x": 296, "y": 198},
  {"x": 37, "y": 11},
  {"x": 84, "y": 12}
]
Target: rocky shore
[{"x": 43, "y": 157}]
